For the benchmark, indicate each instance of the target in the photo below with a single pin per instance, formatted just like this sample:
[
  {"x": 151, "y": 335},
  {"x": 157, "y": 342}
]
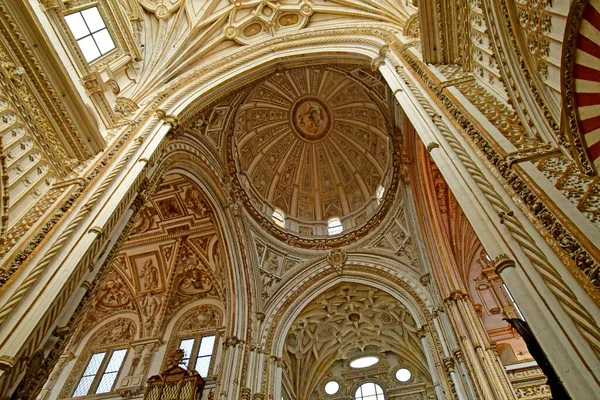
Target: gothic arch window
[
  {"x": 196, "y": 332},
  {"x": 98, "y": 366},
  {"x": 369, "y": 391}
]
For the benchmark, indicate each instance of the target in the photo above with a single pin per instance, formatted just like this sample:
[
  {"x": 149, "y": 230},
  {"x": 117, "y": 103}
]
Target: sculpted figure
[{"x": 149, "y": 275}]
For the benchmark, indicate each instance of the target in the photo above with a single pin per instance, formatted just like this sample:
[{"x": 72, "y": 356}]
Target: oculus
[
  {"x": 364, "y": 362},
  {"x": 332, "y": 387},
  {"x": 403, "y": 375}
]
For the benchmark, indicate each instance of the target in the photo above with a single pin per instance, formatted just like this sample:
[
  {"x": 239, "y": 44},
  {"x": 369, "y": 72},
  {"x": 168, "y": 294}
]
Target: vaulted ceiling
[{"x": 312, "y": 143}]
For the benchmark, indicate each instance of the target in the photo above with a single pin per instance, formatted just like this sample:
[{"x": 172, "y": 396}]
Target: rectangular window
[
  {"x": 89, "y": 374},
  {"x": 101, "y": 373},
  {"x": 205, "y": 351},
  {"x": 202, "y": 350},
  {"x": 90, "y": 32},
  {"x": 186, "y": 345},
  {"x": 112, "y": 370}
]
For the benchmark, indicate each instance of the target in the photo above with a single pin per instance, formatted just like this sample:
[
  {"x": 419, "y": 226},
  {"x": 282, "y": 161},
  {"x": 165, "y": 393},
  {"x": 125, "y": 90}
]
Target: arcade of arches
[{"x": 303, "y": 199}]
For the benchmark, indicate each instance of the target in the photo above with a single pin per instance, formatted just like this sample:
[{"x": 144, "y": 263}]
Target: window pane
[
  {"x": 206, "y": 346},
  {"x": 94, "y": 364},
  {"x": 89, "y": 374},
  {"x": 186, "y": 345},
  {"x": 93, "y": 19},
  {"x": 77, "y": 26},
  {"x": 114, "y": 365},
  {"x": 111, "y": 371},
  {"x": 88, "y": 48},
  {"x": 334, "y": 226},
  {"x": 203, "y": 365},
  {"x": 104, "y": 41},
  {"x": 369, "y": 391},
  {"x": 106, "y": 383},
  {"x": 84, "y": 386}
]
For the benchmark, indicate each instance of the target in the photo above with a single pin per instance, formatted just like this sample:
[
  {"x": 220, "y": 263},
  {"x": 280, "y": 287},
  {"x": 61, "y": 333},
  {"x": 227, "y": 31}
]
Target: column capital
[{"x": 502, "y": 262}]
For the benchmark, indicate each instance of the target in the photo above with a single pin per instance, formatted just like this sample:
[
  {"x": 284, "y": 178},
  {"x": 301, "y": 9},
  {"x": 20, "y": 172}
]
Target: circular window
[
  {"x": 332, "y": 387},
  {"x": 364, "y": 362},
  {"x": 403, "y": 375}
]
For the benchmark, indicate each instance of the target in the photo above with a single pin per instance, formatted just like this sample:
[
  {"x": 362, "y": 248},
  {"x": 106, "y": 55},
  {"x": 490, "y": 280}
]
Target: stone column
[
  {"x": 437, "y": 380},
  {"x": 62, "y": 361},
  {"x": 233, "y": 356},
  {"x": 488, "y": 373}
]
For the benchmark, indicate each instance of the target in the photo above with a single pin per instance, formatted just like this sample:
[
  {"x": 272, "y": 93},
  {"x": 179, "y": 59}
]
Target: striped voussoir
[{"x": 586, "y": 72}]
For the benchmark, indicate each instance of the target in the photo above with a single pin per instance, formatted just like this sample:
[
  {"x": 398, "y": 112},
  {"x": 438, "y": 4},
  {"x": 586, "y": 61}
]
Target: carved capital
[
  {"x": 455, "y": 296},
  {"x": 246, "y": 394},
  {"x": 502, "y": 262},
  {"x": 231, "y": 341},
  {"x": 448, "y": 364},
  {"x": 431, "y": 146},
  {"x": 458, "y": 355}
]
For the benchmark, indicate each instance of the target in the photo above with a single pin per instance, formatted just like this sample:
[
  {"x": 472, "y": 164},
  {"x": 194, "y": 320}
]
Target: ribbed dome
[{"x": 312, "y": 143}]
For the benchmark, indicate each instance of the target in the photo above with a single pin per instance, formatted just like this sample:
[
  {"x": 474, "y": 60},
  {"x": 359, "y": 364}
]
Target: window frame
[
  {"x": 361, "y": 384},
  {"x": 91, "y": 34},
  {"x": 108, "y": 354},
  {"x": 197, "y": 337}
]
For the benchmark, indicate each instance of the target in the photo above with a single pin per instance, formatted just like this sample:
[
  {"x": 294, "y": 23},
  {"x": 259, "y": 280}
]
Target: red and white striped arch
[{"x": 586, "y": 73}]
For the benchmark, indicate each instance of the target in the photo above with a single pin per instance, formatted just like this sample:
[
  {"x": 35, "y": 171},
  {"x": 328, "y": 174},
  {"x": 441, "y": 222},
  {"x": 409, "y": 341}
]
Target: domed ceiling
[{"x": 312, "y": 143}]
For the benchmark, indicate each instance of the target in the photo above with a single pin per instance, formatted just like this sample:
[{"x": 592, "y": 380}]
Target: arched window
[
  {"x": 369, "y": 391},
  {"x": 195, "y": 332},
  {"x": 279, "y": 217},
  {"x": 380, "y": 192},
  {"x": 98, "y": 366},
  {"x": 334, "y": 226}
]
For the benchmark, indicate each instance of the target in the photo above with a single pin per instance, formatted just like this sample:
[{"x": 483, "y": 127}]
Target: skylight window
[
  {"x": 334, "y": 226},
  {"x": 90, "y": 31}
]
